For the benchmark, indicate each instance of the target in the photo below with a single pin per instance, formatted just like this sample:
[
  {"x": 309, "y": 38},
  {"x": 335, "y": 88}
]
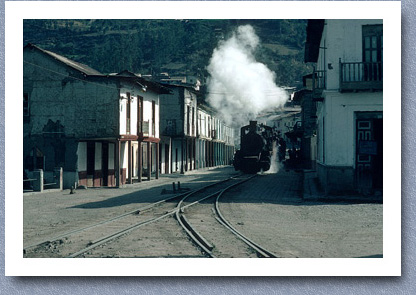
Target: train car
[{"x": 255, "y": 153}]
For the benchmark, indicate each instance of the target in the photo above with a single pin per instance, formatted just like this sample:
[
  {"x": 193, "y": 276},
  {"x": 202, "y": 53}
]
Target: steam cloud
[
  {"x": 275, "y": 165},
  {"x": 239, "y": 87}
]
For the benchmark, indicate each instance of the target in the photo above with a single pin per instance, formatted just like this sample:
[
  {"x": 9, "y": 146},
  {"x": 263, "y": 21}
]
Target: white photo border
[{"x": 17, "y": 11}]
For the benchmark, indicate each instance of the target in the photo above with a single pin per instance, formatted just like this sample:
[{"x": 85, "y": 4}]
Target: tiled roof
[
  {"x": 94, "y": 74},
  {"x": 73, "y": 64}
]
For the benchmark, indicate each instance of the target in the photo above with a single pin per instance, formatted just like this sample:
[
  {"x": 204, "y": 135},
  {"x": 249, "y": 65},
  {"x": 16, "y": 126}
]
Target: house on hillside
[
  {"x": 186, "y": 80},
  {"x": 102, "y": 129},
  {"x": 347, "y": 86}
]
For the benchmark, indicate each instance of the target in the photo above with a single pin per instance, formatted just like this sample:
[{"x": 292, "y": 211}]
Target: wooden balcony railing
[
  {"x": 318, "y": 84},
  {"x": 318, "y": 80},
  {"x": 356, "y": 76}
]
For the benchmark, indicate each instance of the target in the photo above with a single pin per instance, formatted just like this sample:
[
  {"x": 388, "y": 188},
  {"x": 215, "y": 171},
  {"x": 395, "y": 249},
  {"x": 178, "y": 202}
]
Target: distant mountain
[{"x": 174, "y": 46}]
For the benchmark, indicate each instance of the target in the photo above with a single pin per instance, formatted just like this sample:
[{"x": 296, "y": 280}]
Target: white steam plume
[
  {"x": 275, "y": 165},
  {"x": 239, "y": 87}
]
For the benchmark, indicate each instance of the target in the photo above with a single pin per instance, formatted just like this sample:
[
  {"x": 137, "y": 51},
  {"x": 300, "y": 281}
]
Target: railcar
[{"x": 256, "y": 148}]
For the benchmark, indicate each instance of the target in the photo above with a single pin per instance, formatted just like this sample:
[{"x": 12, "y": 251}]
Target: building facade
[
  {"x": 103, "y": 130},
  {"x": 347, "y": 87},
  {"x": 192, "y": 136},
  {"x": 178, "y": 128},
  {"x": 215, "y": 139}
]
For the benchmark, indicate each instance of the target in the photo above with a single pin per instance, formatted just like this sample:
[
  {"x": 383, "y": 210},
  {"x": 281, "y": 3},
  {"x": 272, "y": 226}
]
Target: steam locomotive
[{"x": 256, "y": 150}]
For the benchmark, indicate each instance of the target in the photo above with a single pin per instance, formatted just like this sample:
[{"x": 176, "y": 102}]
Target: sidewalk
[
  {"x": 312, "y": 192},
  {"x": 164, "y": 182}
]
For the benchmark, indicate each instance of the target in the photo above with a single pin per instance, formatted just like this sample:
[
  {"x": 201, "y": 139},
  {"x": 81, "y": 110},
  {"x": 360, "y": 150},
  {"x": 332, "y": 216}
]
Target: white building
[
  {"x": 348, "y": 89},
  {"x": 178, "y": 128},
  {"x": 192, "y": 137},
  {"x": 215, "y": 140}
]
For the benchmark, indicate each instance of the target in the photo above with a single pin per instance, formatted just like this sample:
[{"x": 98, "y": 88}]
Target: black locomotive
[{"x": 256, "y": 150}]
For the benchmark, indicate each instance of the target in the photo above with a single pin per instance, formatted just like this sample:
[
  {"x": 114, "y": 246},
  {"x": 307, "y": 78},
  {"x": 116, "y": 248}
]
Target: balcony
[
  {"x": 360, "y": 76},
  {"x": 318, "y": 84}
]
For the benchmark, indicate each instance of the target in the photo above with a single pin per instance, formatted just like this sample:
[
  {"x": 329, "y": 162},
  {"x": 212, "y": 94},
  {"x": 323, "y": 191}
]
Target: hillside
[{"x": 173, "y": 46}]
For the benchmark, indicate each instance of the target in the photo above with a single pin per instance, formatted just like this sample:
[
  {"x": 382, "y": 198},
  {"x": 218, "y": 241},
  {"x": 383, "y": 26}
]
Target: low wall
[
  {"x": 41, "y": 180},
  {"x": 336, "y": 179}
]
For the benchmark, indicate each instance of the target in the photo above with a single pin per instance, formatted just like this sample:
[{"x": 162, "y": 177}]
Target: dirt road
[{"x": 270, "y": 209}]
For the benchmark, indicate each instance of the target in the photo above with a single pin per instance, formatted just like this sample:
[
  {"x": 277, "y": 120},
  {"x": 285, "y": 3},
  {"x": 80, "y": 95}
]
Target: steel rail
[
  {"x": 113, "y": 236},
  {"x": 190, "y": 230},
  {"x": 196, "y": 237},
  {"x": 69, "y": 233},
  {"x": 192, "y": 233},
  {"x": 117, "y": 234},
  {"x": 262, "y": 251},
  {"x": 147, "y": 207}
]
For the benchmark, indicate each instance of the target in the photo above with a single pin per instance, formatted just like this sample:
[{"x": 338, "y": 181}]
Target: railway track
[
  {"x": 91, "y": 236},
  {"x": 77, "y": 242},
  {"x": 210, "y": 230}
]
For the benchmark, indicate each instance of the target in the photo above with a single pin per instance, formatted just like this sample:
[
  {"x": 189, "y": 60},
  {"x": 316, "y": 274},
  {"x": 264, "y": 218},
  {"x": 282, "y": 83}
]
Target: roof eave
[{"x": 314, "y": 31}]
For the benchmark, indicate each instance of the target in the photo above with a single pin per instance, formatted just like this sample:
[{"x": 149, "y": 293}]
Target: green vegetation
[{"x": 173, "y": 46}]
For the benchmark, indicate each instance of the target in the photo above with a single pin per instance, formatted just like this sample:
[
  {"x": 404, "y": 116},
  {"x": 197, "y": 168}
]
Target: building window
[
  {"x": 153, "y": 118},
  {"x": 26, "y": 111},
  {"x": 373, "y": 43},
  {"x": 200, "y": 127},
  {"x": 188, "y": 124},
  {"x": 193, "y": 121},
  {"x": 373, "y": 52},
  {"x": 139, "y": 115},
  {"x": 209, "y": 127},
  {"x": 128, "y": 113}
]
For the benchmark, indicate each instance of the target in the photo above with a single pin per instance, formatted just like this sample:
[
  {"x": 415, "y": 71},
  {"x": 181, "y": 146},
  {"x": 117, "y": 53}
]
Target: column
[
  {"x": 157, "y": 161},
  {"x": 58, "y": 176},
  {"x": 117, "y": 163},
  {"x": 139, "y": 159},
  {"x": 149, "y": 167},
  {"x": 182, "y": 155},
  {"x": 129, "y": 165},
  {"x": 38, "y": 183}
]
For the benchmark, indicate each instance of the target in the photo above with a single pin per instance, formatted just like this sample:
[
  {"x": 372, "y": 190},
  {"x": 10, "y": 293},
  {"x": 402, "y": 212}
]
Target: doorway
[
  {"x": 104, "y": 161},
  {"x": 369, "y": 153}
]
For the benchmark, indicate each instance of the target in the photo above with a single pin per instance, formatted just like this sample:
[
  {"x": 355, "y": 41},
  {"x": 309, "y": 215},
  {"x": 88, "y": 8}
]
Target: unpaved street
[{"x": 269, "y": 209}]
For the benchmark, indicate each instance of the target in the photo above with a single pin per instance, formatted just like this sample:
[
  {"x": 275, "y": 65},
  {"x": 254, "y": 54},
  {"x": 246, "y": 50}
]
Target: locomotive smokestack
[{"x": 253, "y": 126}]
